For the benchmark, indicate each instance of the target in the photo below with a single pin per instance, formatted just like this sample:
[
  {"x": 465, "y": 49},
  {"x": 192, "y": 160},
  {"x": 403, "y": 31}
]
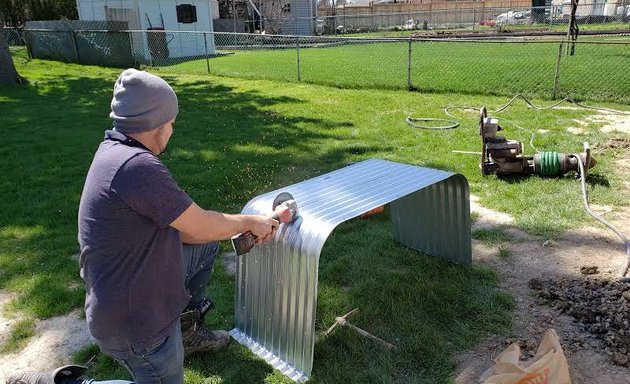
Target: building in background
[
  {"x": 166, "y": 23},
  {"x": 282, "y": 17}
]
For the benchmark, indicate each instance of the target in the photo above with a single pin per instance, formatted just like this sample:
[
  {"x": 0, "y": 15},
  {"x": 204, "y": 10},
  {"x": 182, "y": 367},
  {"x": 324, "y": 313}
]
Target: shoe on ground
[{"x": 198, "y": 338}]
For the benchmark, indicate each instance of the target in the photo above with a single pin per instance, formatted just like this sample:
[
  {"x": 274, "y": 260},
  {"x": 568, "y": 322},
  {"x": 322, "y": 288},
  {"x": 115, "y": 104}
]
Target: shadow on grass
[
  {"x": 595, "y": 179},
  {"x": 592, "y": 179},
  {"x": 226, "y": 148},
  {"x": 229, "y": 146},
  {"x": 429, "y": 308}
]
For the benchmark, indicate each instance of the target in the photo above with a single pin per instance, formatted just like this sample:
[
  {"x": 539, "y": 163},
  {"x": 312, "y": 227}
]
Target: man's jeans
[{"x": 163, "y": 363}]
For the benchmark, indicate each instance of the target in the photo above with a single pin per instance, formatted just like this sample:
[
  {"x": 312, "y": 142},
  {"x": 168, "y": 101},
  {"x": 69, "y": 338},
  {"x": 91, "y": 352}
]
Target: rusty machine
[{"x": 505, "y": 157}]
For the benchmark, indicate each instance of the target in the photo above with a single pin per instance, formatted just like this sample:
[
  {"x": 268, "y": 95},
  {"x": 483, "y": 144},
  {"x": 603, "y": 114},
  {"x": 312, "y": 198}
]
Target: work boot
[
  {"x": 198, "y": 338},
  {"x": 204, "y": 306},
  {"x": 68, "y": 374}
]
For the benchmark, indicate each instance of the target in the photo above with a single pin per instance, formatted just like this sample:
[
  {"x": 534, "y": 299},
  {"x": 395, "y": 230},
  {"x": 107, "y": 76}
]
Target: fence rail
[{"x": 596, "y": 70}]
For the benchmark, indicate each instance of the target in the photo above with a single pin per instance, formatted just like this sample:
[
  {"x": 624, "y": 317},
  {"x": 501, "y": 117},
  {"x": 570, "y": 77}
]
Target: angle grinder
[{"x": 285, "y": 210}]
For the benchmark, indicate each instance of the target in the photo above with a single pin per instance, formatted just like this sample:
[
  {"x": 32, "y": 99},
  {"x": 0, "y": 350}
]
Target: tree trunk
[{"x": 8, "y": 74}]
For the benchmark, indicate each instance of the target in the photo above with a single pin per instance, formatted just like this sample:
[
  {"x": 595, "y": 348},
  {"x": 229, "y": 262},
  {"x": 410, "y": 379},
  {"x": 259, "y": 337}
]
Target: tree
[
  {"x": 17, "y": 12},
  {"x": 52, "y": 9},
  {"x": 274, "y": 13},
  {"x": 8, "y": 73}
]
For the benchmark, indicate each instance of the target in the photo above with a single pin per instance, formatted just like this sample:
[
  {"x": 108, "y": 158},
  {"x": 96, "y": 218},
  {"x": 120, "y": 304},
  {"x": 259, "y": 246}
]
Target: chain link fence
[
  {"x": 465, "y": 17},
  {"x": 13, "y": 36},
  {"x": 598, "y": 70},
  {"x": 590, "y": 16}
]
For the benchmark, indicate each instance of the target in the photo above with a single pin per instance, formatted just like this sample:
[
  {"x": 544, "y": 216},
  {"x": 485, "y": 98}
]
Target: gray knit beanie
[{"x": 142, "y": 102}]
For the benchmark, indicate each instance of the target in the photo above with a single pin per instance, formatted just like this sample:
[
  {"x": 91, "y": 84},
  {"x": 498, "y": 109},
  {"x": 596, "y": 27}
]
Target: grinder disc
[{"x": 281, "y": 198}]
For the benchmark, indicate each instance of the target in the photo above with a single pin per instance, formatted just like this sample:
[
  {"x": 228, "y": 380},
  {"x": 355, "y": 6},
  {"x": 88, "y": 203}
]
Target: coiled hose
[{"x": 451, "y": 124}]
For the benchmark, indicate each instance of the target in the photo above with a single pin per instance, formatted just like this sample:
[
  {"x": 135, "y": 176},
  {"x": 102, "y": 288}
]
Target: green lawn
[
  {"x": 595, "y": 72},
  {"x": 237, "y": 138}
]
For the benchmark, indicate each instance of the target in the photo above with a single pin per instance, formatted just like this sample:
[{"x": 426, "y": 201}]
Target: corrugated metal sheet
[{"x": 276, "y": 287}]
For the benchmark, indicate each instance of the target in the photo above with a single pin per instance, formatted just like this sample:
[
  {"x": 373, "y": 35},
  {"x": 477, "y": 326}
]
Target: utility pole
[
  {"x": 234, "y": 15},
  {"x": 572, "y": 33}
]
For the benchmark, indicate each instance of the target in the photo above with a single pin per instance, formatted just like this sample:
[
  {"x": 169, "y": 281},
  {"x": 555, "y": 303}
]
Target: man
[{"x": 145, "y": 300}]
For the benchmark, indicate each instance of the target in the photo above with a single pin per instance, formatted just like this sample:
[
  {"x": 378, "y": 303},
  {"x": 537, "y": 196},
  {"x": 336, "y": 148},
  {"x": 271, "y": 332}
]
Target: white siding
[
  {"x": 214, "y": 9},
  {"x": 300, "y": 20},
  {"x": 180, "y": 44},
  {"x": 91, "y": 9},
  {"x": 161, "y": 13}
]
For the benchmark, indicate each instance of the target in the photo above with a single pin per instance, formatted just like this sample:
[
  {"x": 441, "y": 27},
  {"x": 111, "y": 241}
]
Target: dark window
[
  {"x": 286, "y": 8},
  {"x": 186, "y": 13}
]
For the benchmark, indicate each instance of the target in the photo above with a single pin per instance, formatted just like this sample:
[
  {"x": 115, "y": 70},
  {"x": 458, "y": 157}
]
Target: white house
[
  {"x": 592, "y": 7},
  {"x": 299, "y": 17},
  {"x": 177, "y": 18}
]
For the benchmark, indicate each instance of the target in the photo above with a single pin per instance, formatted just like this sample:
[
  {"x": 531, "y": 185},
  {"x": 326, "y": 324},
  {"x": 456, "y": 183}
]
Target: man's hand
[
  {"x": 262, "y": 227},
  {"x": 200, "y": 226}
]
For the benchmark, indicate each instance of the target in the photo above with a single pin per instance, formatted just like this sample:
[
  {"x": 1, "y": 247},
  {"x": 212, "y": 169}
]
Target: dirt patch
[
  {"x": 600, "y": 306},
  {"x": 5, "y": 322},
  {"x": 616, "y": 143},
  {"x": 534, "y": 257},
  {"x": 487, "y": 218},
  {"x": 612, "y": 122},
  {"x": 577, "y": 131},
  {"x": 55, "y": 340}
]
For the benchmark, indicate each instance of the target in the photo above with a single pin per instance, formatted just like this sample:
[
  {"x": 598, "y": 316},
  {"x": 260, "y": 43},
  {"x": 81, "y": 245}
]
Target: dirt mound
[
  {"x": 616, "y": 143},
  {"x": 600, "y": 306}
]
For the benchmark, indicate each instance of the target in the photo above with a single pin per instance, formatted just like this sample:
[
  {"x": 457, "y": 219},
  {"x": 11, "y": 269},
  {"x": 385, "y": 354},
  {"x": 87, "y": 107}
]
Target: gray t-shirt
[{"x": 131, "y": 260}]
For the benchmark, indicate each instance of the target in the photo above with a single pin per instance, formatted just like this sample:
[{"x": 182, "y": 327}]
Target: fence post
[
  {"x": 409, "y": 84},
  {"x": 205, "y": 41},
  {"x": 27, "y": 42},
  {"x": 474, "y": 18},
  {"x": 556, "y": 76},
  {"x": 76, "y": 49},
  {"x": 148, "y": 36},
  {"x": 297, "y": 50}
]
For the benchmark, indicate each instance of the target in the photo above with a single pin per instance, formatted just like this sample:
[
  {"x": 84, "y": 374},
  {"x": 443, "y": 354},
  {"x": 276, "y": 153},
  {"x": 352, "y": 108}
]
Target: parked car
[
  {"x": 410, "y": 24},
  {"x": 513, "y": 17}
]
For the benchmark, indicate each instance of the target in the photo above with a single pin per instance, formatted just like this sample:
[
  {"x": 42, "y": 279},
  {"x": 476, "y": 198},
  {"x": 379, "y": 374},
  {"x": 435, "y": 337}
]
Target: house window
[
  {"x": 286, "y": 8},
  {"x": 186, "y": 13}
]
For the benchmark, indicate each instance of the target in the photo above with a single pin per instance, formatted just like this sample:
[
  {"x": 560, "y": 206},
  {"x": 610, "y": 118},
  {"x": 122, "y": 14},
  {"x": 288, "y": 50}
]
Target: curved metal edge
[
  {"x": 306, "y": 244},
  {"x": 271, "y": 359}
]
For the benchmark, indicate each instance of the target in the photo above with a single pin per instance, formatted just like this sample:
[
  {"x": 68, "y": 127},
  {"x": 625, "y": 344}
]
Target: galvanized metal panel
[
  {"x": 436, "y": 220},
  {"x": 276, "y": 287}
]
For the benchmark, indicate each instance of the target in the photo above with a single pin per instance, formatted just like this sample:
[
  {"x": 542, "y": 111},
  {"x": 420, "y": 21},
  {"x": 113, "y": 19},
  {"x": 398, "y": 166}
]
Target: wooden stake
[{"x": 343, "y": 321}]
